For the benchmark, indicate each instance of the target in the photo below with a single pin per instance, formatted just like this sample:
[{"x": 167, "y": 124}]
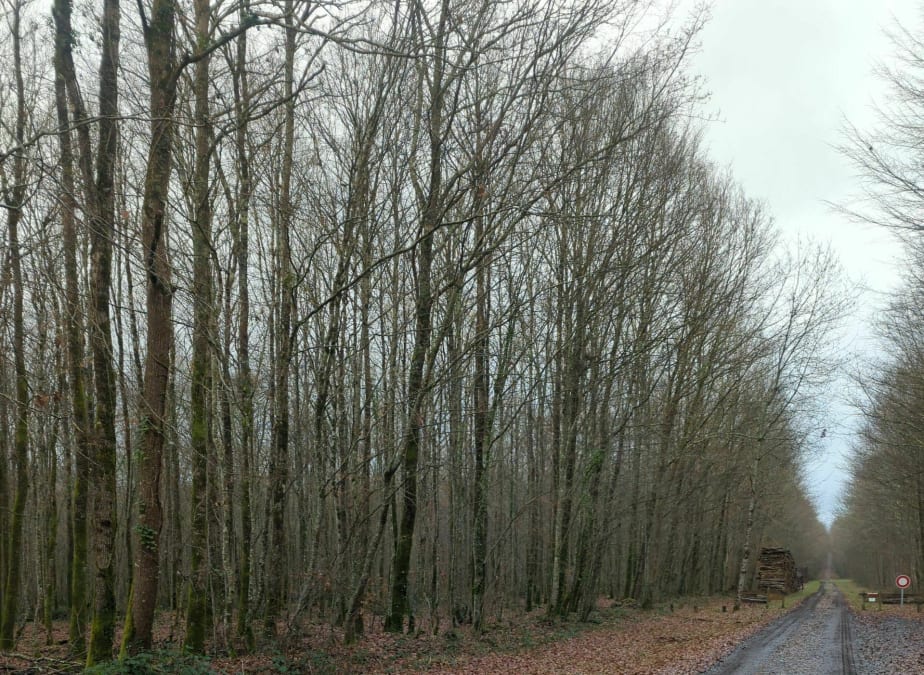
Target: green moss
[
  {"x": 102, "y": 632},
  {"x": 148, "y": 538},
  {"x": 78, "y": 598},
  {"x": 128, "y": 632},
  {"x": 198, "y": 429},
  {"x": 196, "y": 620},
  {"x": 144, "y": 426},
  {"x": 12, "y": 588}
]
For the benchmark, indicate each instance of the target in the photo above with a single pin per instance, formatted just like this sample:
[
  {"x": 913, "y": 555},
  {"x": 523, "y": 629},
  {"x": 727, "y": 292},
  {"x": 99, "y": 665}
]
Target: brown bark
[
  {"x": 102, "y": 234},
  {"x": 159, "y": 338},
  {"x": 431, "y": 217},
  {"x": 74, "y": 324},
  {"x": 240, "y": 228},
  {"x": 14, "y": 196},
  {"x": 276, "y": 590},
  {"x": 200, "y": 405}
]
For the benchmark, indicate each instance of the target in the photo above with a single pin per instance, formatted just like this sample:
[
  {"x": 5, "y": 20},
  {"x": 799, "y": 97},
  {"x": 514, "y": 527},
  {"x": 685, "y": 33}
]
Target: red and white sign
[{"x": 903, "y": 581}]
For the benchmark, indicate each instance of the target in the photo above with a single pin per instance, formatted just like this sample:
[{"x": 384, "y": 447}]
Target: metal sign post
[{"x": 903, "y": 581}]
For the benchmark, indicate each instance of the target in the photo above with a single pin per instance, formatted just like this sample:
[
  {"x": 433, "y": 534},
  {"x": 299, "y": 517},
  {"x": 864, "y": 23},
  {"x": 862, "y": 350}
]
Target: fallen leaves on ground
[{"x": 686, "y": 639}]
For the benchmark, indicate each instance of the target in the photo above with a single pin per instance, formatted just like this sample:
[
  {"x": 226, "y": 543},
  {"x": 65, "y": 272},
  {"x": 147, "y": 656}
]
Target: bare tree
[
  {"x": 446, "y": 311},
  {"x": 163, "y": 75},
  {"x": 203, "y": 324},
  {"x": 14, "y": 197}
]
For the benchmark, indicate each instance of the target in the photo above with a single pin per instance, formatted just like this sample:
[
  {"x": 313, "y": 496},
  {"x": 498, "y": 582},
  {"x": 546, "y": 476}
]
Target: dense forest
[{"x": 393, "y": 315}]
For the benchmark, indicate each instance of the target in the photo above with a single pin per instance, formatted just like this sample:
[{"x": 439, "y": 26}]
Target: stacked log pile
[{"x": 776, "y": 571}]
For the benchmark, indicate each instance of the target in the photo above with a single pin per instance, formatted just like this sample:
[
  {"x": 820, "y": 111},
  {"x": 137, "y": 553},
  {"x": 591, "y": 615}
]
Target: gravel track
[
  {"x": 886, "y": 643},
  {"x": 845, "y": 637},
  {"x": 813, "y": 638},
  {"x": 823, "y": 636}
]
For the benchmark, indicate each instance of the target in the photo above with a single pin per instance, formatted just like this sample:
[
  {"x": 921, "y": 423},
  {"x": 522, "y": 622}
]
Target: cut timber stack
[{"x": 776, "y": 571}]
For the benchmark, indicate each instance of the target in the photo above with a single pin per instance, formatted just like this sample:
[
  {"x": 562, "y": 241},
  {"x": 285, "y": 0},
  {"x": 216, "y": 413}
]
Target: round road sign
[{"x": 903, "y": 581}]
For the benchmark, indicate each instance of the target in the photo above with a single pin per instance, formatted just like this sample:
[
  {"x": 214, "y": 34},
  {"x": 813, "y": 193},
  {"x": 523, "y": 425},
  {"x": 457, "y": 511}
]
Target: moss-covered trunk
[
  {"x": 102, "y": 234},
  {"x": 200, "y": 405},
  {"x": 65, "y": 86},
  {"x": 159, "y": 337},
  {"x": 240, "y": 233}
]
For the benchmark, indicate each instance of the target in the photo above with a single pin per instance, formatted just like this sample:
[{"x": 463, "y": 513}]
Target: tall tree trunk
[
  {"x": 353, "y": 627},
  {"x": 51, "y": 513},
  {"x": 719, "y": 554},
  {"x": 416, "y": 393},
  {"x": 423, "y": 328},
  {"x": 354, "y": 620},
  {"x": 533, "y": 544},
  {"x": 227, "y": 486},
  {"x": 200, "y": 405},
  {"x": 11, "y": 586},
  {"x": 605, "y": 530},
  {"x": 748, "y": 533},
  {"x": 279, "y": 474},
  {"x": 63, "y": 63},
  {"x": 102, "y": 234},
  {"x": 14, "y": 197},
  {"x": 240, "y": 232},
  {"x": 159, "y": 338},
  {"x": 127, "y": 443},
  {"x": 481, "y": 425},
  {"x": 572, "y": 384}
]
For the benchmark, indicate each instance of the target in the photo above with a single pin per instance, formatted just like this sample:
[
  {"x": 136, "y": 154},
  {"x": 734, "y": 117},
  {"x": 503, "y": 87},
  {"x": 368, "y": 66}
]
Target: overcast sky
[{"x": 783, "y": 76}]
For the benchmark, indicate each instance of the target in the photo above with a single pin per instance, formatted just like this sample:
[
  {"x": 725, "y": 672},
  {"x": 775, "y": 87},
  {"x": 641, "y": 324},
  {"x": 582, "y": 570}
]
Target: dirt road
[{"x": 813, "y": 638}]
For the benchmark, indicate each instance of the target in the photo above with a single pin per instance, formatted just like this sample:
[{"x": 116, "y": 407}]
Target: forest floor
[
  {"x": 685, "y": 636},
  {"x": 682, "y": 637}
]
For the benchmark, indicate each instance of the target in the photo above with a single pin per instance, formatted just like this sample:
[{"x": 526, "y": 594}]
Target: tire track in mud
[{"x": 848, "y": 665}]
